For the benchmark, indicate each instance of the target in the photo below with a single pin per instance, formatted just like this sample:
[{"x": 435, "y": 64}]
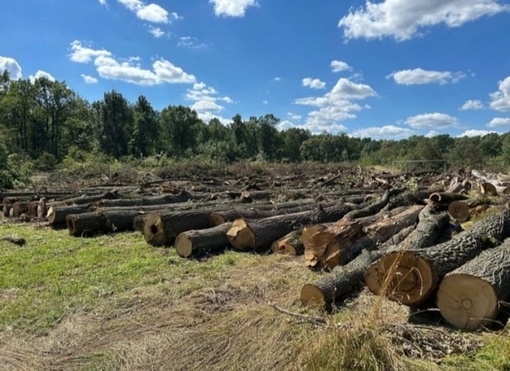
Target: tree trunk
[
  {"x": 375, "y": 206},
  {"x": 86, "y": 199},
  {"x": 412, "y": 276},
  {"x": 57, "y": 215},
  {"x": 444, "y": 198},
  {"x": 162, "y": 229},
  {"x": 203, "y": 241},
  {"x": 469, "y": 297},
  {"x": 150, "y": 201},
  {"x": 92, "y": 223},
  {"x": 383, "y": 230},
  {"x": 261, "y": 233},
  {"x": 290, "y": 244}
]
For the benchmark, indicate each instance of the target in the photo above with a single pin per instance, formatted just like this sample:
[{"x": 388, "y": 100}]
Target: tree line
[{"x": 47, "y": 122}]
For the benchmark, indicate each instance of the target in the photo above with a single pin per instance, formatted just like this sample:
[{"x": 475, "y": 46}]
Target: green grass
[{"x": 54, "y": 275}]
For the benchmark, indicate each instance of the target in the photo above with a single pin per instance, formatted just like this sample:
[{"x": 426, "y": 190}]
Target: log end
[
  {"x": 401, "y": 276},
  {"x": 51, "y": 215},
  {"x": 183, "y": 245},
  {"x": 311, "y": 293},
  {"x": 467, "y": 302},
  {"x": 459, "y": 211},
  {"x": 240, "y": 236},
  {"x": 153, "y": 231},
  {"x": 216, "y": 219}
]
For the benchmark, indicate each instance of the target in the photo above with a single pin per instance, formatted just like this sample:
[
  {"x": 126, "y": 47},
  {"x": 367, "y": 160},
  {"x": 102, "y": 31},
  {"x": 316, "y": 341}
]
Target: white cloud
[
  {"x": 102, "y": 2},
  {"x": 190, "y": 43},
  {"x": 232, "y": 8},
  {"x": 156, "y": 32},
  {"x": 149, "y": 12},
  {"x": 277, "y": 79},
  {"x": 294, "y": 116},
  {"x": 432, "y": 120},
  {"x": 206, "y": 102},
  {"x": 89, "y": 79},
  {"x": 384, "y": 132},
  {"x": 40, "y": 74},
  {"x": 12, "y": 66},
  {"x": 475, "y": 133},
  {"x": 403, "y": 19},
  {"x": 500, "y": 100},
  {"x": 432, "y": 133},
  {"x": 499, "y": 121},
  {"x": 285, "y": 125},
  {"x": 419, "y": 76},
  {"x": 313, "y": 83},
  {"x": 472, "y": 105},
  {"x": 339, "y": 66},
  {"x": 130, "y": 71},
  {"x": 335, "y": 106}
]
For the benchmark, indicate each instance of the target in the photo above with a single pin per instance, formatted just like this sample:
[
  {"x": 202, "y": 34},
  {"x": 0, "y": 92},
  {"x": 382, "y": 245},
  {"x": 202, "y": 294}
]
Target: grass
[{"x": 116, "y": 303}]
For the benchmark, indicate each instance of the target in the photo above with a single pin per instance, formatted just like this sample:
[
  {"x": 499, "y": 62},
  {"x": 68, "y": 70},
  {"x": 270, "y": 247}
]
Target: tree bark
[
  {"x": 203, "y": 241},
  {"x": 290, "y": 244},
  {"x": 374, "y": 207},
  {"x": 149, "y": 201},
  {"x": 57, "y": 215},
  {"x": 261, "y": 233},
  {"x": 444, "y": 198},
  {"x": 384, "y": 229},
  {"x": 87, "y": 199},
  {"x": 92, "y": 223},
  {"x": 411, "y": 276}
]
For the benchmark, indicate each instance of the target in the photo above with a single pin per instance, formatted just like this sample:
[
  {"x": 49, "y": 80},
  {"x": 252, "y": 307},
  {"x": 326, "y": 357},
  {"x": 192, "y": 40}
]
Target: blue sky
[{"x": 385, "y": 69}]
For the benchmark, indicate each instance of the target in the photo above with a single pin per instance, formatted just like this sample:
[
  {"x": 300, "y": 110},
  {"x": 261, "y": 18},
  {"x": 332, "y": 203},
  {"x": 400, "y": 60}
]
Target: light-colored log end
[
  {"x": 240, "y": 236},
  {"x": 183, "y": 245},
  {"x": 312, "y": 294}
]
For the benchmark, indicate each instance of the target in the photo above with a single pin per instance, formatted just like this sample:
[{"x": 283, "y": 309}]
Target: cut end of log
[
  {"x": 153, "y": 231},
  {"x": 240, "y": 236},
  {"x": 467, "y": 302},
  {"x": 71, "y": 225},
  {"x": 183, "y": 245},
  {"x": 459, "y": 211},
  {"x": 401, "y": 276},
  {"x": 51, "y": 215},
  {"x": 311, "y": 294},
  {"x": 216, "y": 219}
]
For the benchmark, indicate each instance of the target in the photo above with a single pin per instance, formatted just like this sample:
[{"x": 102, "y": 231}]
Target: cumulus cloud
[
  {"x": 232, "y": 8},
  {"x": 89, "y": 79},
  {"x": 432, "y": 134},
  {"x": 313, "y": 83},
  {"x": 500, "y": 100},
  {"x": 156, "y": 32},
  {"x": 472, "y": 104},
  {"x": 130, "y": 71},
  {"x": 294, "y": 116},
  {"x": 335, "y": 106},
  {"x": 499, "y": 121},
  {"x": 420, "y": 76},
  {"x": 12, "y": 66},
  {"x": 190, "y": 42},
  {"x": 102, "y": 2},
  {"x": 384, "y": 132},
  {"x": 432, "y": 120},
  {"x": 207, "y": 102},
  {"x": 339, "y": 66},
  {"x": 285, "y": 125},
  {"x": 403, "y": 19},
  {"x": 475, "y": 133},
  {"x": 149, "y": 12},
  {"x": 40, "y": 74},
  {"x": 277, "y": 79}
]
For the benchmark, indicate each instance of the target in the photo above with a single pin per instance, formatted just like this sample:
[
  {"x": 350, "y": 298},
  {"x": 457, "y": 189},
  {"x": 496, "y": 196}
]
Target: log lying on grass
[
  {"x": 202, "y": 241},
  {"x": 411, "y": 276},
  {"x": 261, "y": 233},
  {"x": 348, "y": 279},
  {"x": 88, "y": 224},
  {"x": 469, "y": 297},
  {"x": 57, "y": 215},
  {"x": 290, "y": 244},
  {"x": 149, "y": 201}
]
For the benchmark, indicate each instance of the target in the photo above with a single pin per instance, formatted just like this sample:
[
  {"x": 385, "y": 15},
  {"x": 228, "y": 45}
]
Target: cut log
[
  {"x": 203, "y": 241},
  {"x": 247, "y": 234},
  {"x": 444, "y": 198},
  {"x": 290, "y": 244},
  {"x": 411, "y": 276},
  {"x": 468, "y": 297},
  {"x": 459, "y": 211},
  {"x": 22, "y": 207},
  {"x": 87, "y": 199},
  {"x": 162, "y": 229},
  {"x": 139, "y": 222},
  {"x": 384, "y": 229},
  {"x": 429, "y": 229},
  {"x": 42, "y": 211},
  {"x": 149, "y": 201},
  {"x": 92, "y": 223},
  {"x": 57, "y": 215},
  {"x": 409, "y": 198},
  {"x": 374, "y": 207}
]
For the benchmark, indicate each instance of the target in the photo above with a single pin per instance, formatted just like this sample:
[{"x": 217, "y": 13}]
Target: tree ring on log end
[
  {"x": 467, "y": 302},
  {"x": 312, "y": 294},
  {"x": 153, "y": 231},
  {"x": 183, "y": 245},
  {"x": 401, "y": 276}
]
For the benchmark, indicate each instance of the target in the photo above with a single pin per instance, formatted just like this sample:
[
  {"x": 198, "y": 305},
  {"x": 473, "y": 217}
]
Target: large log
[
  {"x": 411, "y": 276},
  {"x": 21, "y": 207},
  {"x": 162, "y": 229},
  {"x": 257, "y": 234},
  {"x": 202, "y": 241},
  {"x": 469, "y": 297},
  {"x": 375, "y": 206},
  {"x": 290, "y": 244},
  {"x": 347, "y": 280},
  {"x": 445, "y": 198},
  {"x": 384, "y": 229},
  {"x": 150, "y": 201},
  {"x": 87, "y": 199},
  {"x": 92, "y": 223},
  {"x": 57, "y": 215}
]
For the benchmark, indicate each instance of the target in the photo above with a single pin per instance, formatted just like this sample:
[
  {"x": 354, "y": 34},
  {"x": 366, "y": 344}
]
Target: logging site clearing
[{"x": 257, "y": 267}]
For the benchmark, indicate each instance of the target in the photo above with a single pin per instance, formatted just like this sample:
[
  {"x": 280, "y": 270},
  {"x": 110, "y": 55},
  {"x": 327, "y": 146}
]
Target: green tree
[
  {"x": 146, "y": 129},
  {"x": 182, "y": 126},
  {"x": 116, "y": 125}
]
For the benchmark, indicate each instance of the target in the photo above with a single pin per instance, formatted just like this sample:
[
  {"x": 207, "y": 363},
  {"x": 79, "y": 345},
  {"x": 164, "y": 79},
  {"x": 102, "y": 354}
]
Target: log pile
[{"x": 443, "y": 241}]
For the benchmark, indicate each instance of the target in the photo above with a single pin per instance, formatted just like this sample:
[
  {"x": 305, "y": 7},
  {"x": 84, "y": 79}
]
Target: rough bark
[
  {"x": 162, "y": 229},
  {"x": 290, "y": 244},
  {"x": 469, "y": 297},
  {"x": 149, "y": 201},
  {"x": 374, "y": 207},
  {"x": 261, "y": 233},
  {"x": 384, "y": 229},
  {"x": 409, "y": 198},
  {"x": 92, "y": 223},
  {"x": 411, "y": 276},
  {"x": 202, "y": 241},
  {"x": 57, "y": 215},
  {"x": 87, "y": 199},
  {"x": 445, "y": 198}
]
